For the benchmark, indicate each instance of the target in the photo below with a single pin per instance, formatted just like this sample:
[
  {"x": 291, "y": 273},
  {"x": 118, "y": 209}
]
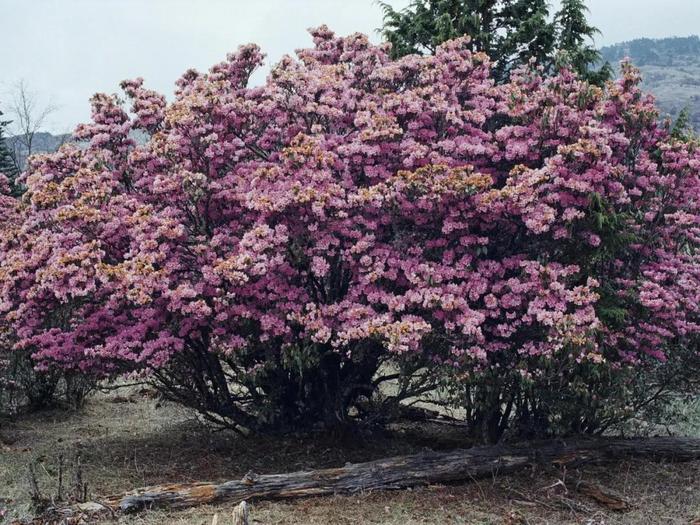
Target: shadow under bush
[{"x": 25, "y": 388}]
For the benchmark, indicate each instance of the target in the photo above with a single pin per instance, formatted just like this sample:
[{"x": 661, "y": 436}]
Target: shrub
[
  {"x": 23, "y": 384},
  {"x": 608, "y": 193},
  {"x": 272, "y": 254},
  {"x": 24, "y": 388}
]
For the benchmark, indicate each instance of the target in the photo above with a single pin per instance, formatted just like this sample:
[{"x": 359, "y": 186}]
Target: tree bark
[{"x": 406, "y": 471}]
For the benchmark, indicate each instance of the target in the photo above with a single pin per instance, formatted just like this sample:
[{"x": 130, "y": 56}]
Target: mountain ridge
[{"x": 670, "y": 69}]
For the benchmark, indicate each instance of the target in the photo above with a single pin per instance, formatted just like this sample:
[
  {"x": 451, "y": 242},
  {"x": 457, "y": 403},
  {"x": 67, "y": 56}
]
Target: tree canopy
[{"x": 511, "y": 32}]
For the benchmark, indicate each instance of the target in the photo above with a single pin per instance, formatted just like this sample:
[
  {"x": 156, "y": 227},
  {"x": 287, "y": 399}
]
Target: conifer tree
[
  {"x": 511, "y": 32},
  {"x": 7, "y": 162},
  {"x": 575, "y": 42},
  {"x": 682, "y": 128}
]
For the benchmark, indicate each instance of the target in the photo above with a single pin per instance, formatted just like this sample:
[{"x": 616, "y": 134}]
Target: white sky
[{"x": 66, "y": 50}]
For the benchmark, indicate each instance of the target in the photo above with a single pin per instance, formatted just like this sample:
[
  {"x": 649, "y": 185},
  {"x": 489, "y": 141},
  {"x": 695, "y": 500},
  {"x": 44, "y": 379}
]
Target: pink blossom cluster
[{"x": 352, "y": 198}]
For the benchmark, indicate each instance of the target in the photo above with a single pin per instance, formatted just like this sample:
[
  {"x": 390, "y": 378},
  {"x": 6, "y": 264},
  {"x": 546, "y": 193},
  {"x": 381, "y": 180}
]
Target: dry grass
[{"x": 140, "y": 442}]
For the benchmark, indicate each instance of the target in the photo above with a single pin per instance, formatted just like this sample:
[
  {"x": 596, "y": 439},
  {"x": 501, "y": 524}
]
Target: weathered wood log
[{"x": 406, "y": 471}]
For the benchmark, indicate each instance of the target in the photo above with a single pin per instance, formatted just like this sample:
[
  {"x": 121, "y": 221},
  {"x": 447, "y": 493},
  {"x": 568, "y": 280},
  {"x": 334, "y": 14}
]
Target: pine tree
[
  {"x": 528, "y": 34},
  {"x": 7, "y": 163},
  {"x": 682, "y": 128},
  {"x": 575, "y": 42},
  {"x": 511, "y": 32}
]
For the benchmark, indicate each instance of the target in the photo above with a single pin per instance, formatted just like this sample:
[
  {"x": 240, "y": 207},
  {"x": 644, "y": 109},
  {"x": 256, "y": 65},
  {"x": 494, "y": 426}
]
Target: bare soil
[{"x": 127, "y": 439}]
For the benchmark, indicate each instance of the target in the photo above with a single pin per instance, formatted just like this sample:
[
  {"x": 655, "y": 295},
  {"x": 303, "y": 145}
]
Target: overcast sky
[{"x": 66, "y": 50}]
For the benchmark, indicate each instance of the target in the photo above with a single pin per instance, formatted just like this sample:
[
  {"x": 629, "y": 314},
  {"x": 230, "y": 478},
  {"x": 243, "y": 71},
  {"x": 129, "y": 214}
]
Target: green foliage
[
  {"x": 511, "y": 32},
  {"x": 682, "y": 128},
  {"x": 575, "y": 42},
  {"x": 7, "y": 163}
]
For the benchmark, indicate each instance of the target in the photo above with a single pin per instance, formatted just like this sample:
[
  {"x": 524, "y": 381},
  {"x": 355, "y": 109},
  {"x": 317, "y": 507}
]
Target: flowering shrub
[
  {"x": 22, "y": 386},
  {"x": 271, "y": 254}
]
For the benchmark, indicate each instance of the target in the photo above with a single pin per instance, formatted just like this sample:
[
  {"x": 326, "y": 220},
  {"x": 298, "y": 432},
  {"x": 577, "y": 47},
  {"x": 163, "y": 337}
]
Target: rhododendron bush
[
  {"x": 272, "y": 254},
  {"x": 22, "y": 385}
]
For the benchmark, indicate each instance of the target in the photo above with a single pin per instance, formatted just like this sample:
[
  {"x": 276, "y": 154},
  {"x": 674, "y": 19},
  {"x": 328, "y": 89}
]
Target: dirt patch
[{"x": 144, "y": 441}]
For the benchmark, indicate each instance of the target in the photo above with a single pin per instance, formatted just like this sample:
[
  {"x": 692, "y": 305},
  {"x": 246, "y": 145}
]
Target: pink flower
[{"x": 319, "y": 266}]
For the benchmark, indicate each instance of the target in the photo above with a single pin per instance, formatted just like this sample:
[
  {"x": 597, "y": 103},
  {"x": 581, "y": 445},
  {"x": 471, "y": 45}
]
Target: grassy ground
[{"x": 127, "y": 440}]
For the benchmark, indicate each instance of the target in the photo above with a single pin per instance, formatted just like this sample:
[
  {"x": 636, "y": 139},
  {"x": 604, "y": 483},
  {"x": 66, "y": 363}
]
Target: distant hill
[
  {"x": 43, "y": 142},
  {"x": 670, "y": 70}
]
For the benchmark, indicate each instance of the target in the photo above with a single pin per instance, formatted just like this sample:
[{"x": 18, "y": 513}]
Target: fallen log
[{"x": 406, "y": 471}]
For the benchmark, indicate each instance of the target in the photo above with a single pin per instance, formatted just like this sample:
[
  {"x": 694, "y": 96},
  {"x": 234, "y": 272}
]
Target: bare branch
[{"x": 28, "y": 118}]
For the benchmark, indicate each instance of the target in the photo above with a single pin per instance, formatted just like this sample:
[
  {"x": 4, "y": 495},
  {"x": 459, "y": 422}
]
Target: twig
[
  {"x": 33, "y": 485},
  {"x": 109, "y": 388},
  {"x": 59, "y": 492}
]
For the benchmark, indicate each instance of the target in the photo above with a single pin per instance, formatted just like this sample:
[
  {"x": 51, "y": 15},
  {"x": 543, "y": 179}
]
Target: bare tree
[{"x": 28, "y": 117}]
